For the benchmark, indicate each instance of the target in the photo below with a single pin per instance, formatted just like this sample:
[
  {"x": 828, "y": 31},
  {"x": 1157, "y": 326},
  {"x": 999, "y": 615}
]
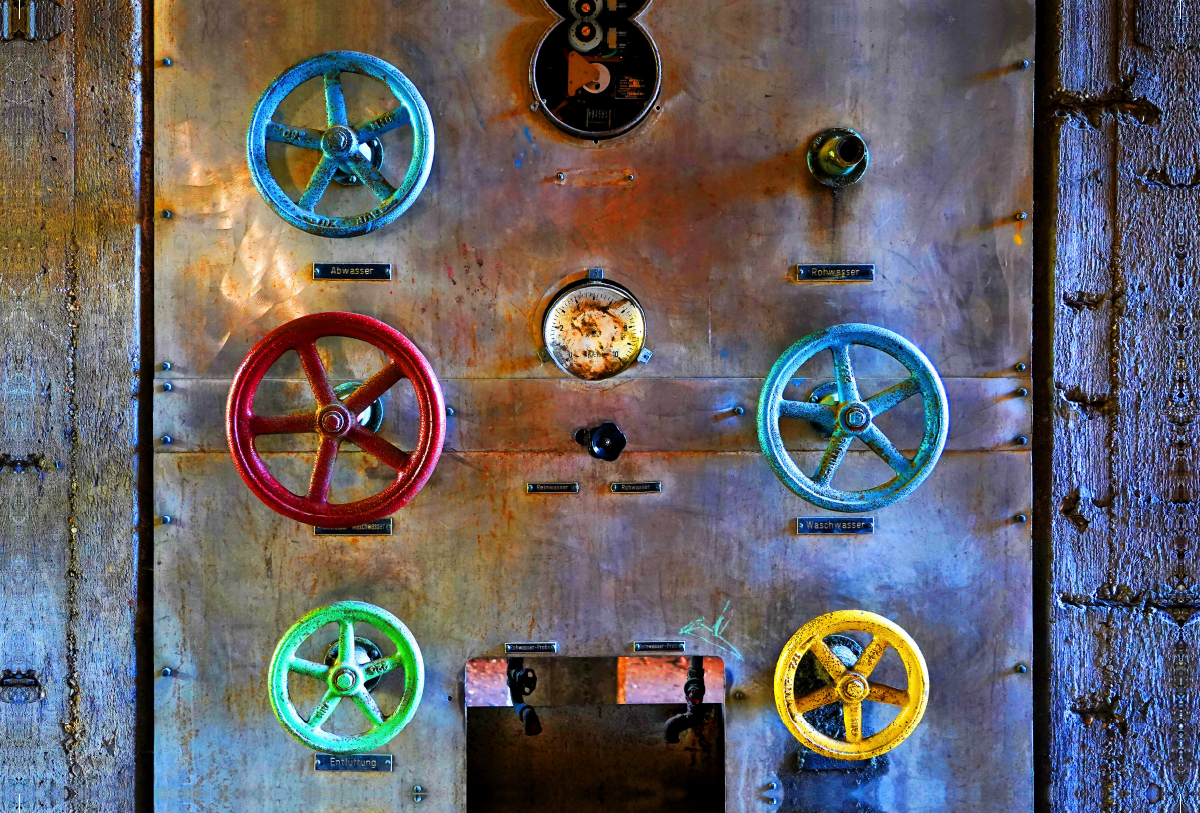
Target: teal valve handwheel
[
  {"x": 340, "y": 144},
  {"x": 345, "y": 681},
  {"x": 852, "y": 416}
]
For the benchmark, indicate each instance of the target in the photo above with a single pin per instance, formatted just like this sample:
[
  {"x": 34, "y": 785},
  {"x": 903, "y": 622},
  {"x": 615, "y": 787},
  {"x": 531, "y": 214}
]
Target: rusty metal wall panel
[{"x": 719, "y": 209}]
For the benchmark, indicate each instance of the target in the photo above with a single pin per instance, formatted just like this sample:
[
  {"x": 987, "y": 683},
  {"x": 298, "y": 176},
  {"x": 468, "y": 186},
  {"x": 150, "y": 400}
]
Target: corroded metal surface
[{"x": 701, "y": 211}]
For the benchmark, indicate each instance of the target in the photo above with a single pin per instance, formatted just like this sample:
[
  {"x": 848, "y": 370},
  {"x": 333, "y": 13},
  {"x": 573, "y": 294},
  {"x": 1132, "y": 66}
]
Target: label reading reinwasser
[
  {"x": 658, "y": 646},
  {"x": 352, "y": 271},
  {"x": 531, "y": 648},
  {"x": 836, "y": 272},
  {"x": 835, "y": 525},
  {"x": 552, "y": 488},
  {"x": 380, "y": 527},
  {"x": 354, "y": 762},
  {"x": 636, "y": 488}
]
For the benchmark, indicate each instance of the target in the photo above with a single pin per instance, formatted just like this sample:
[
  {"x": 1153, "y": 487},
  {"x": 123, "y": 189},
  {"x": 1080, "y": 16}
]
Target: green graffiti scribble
[{"x": 712, "y": 634}]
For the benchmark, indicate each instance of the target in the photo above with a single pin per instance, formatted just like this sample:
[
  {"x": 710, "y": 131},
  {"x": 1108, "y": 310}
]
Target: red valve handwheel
[{"x": 335, "y": 420}]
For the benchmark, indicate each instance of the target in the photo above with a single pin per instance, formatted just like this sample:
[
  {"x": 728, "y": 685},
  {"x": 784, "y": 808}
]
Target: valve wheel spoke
[
  {"x": 380, "y": 125},
  {"x": 305, "y": 137},
  {"x": 347, "y": 653},
  {"x": 878, "y": 443},
  {"x": 303, "y": 666},
  {"x": 318, "y": 379},
  {"x": 381, "y": 666},
  {"x": 814, "y": 700},
  {"x": 833, "y": 665},
  {"x": 377, "y": 447},
  {"x": 323, "y": 710},
  {"x": 852, "y": 716},
  {"x": 844, "y": 374},
  {"x": 322, "y": 474},
  {"x": 882, "y": 693},
  {"x": 835, "y": 453},
  {"x": 883, "y": 401},
  {"x": 373, "y": 388},
  {"x": 370, "y": 709},
  {"x": 295, "y": 423},
  {"x": 356, "y": 164},
  {"x": 869, "y": 659},
  {"x": 335, "y": 100},
  {"x": 318, "y": 183},
  {"x": 823, "y": 414}
]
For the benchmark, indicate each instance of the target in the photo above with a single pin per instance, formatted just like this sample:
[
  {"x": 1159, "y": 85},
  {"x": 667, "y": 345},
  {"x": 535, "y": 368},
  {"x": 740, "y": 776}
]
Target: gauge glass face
[{"x": 594, "y": 330}]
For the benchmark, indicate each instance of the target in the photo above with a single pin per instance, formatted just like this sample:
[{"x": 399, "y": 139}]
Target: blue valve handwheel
[
  {"x": 339, "y": 144},
  {"x": 853, "y": 416}
]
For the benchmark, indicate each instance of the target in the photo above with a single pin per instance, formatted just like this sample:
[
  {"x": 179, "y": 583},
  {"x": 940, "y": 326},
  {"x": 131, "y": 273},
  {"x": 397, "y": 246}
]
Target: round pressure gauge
[{"x": 594, "y": 329}]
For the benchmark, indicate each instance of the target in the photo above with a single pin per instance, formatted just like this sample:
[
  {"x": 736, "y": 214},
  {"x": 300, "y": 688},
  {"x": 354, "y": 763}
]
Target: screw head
[
  {"x": 1022, "y": 392},
  {"x": 1021, "y": 518},
  {"x": 562, "y": 176},
  {"x": 629, "y": 177},
  {"x": 167, "y": 214},
  {"x": 166, "y": 519},
  {"x": 167, "y": 671},
  {"x": 450, "y": 411},
  {"x": 1021, "y": 440},
  {"x": 1021, "y": 668},
  {"x": 738, "y": 410},
  {"x": 166, "y": 62},
  {"x": 1021, "y": 367},
  {"x": 418, "y": 798},
  {"x": 1023, "y": 64},
  {"x": 1021, "y": 216},
  {"x": 167, "y": 439},
  {"x": 418, "y": 789},
  {"x": 772, "y": 786},
  {"x": 168, "y": 386}
]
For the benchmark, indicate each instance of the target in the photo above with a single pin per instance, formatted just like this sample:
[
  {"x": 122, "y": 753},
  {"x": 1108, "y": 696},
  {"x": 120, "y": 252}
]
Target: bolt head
[
  {"x": 166, "y": 62},
  {"x": 1024, "y": 64},
  {"x": 1021, "y": 668},
  {"x": 418, "y": 789},
  {"x": 450, "y": 411},
  {"x": 856, "y": 417},
  {"x": 1022, "y": 441},
  {"x": 168, "y": 386},
  {"x": 166, "y": 365},
  {"x": 1021, "y": 367},
  {"x": 1021, "y": 518},
  {"x": 166, "y": 519},
  {"x": 339, "y": 141},
  {"x": 1022, "y": 392},
  {"x": 1021, "y": 216},
  {"x": 167, "y": 439},
  {"x": 629, "y": 177},
  {"x": 562, "y": 176},
  {"x": 739, "y": 410},
  {"x": 166, "y": 214},
  {"x": 167, "y": 671}
]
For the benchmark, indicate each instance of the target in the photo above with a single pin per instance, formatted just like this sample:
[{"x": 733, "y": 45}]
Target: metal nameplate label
[
  {"x": 532, "y": 648},
  {"x": 380, "y": 527},
  {"x": 552, "y": 488},
  {"x": 352, "y": 271},
  {"x": 835, "y": 525},
  {"x": 636, "y": 488},
  {"x": 836, "y": 272},
  {"x": 379, "y": 763},
  {"x": 659, "y": 646}
]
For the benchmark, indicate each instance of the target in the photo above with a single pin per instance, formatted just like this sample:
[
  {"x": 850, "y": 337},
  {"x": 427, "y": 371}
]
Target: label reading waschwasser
[
  {"x": 531, "y": 648},
  {"x": 380, "y": 527},
  {"x": 352, "y": 271},
  {"x": 552, "y": 488},
  {"x": 836, "y": 272},
  {"x": 636, "y": 488},
  {"x": 835, "y": 525},
  {"x": 658, "y": 646},
  {"x": 354, "y": 762}
]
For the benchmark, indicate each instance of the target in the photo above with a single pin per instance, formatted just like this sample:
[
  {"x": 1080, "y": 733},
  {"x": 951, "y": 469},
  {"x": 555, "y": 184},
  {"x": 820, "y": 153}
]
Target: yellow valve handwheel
[{"x": 851, "y": 685}]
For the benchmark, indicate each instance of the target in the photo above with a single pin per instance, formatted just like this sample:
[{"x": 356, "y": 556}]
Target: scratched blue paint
[
  {"x": 339, "y": 144},
  {"x": 529, "y": 138}
]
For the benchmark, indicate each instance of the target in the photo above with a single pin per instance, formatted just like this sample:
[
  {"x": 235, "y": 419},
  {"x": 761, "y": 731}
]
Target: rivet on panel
[
  {"x": 1021, "y": 518},
  {"x": 1021, "y": 668},
  {"x": 629, "y": 177},
  {"x": 167, "y": 215},
  {"x": 1023, "y": 64},
  {"x": 450, "y": 411},
  {"x": 166, "y": 519},
  {"x": 166, "y": 62},
  {"x": 167, "y": 439},
  {"x": 562, "y": 176},
  {"x": 1021, "y": 440},
  {"x": 1021, "y": 216},
  {"x": 739, "y": 410},
  {"x": 168, "y": 386},
  {"x": 167, "y": 671},
  {"x": 166, "y": 365},
  {"x": 1022, "y": 392},
  {"x": 1021, "y": 367}
]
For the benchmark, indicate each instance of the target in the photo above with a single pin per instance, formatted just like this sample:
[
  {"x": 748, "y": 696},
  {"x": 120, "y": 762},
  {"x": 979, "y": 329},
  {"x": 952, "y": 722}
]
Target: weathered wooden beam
[{"x": 70, "y": 151}]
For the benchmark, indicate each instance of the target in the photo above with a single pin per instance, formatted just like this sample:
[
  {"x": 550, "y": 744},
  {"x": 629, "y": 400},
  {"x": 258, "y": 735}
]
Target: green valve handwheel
[{"x": 346, "y": 679}]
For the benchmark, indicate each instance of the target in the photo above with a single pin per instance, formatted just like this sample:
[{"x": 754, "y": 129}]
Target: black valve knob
[{"x": 605, "y": 442}]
